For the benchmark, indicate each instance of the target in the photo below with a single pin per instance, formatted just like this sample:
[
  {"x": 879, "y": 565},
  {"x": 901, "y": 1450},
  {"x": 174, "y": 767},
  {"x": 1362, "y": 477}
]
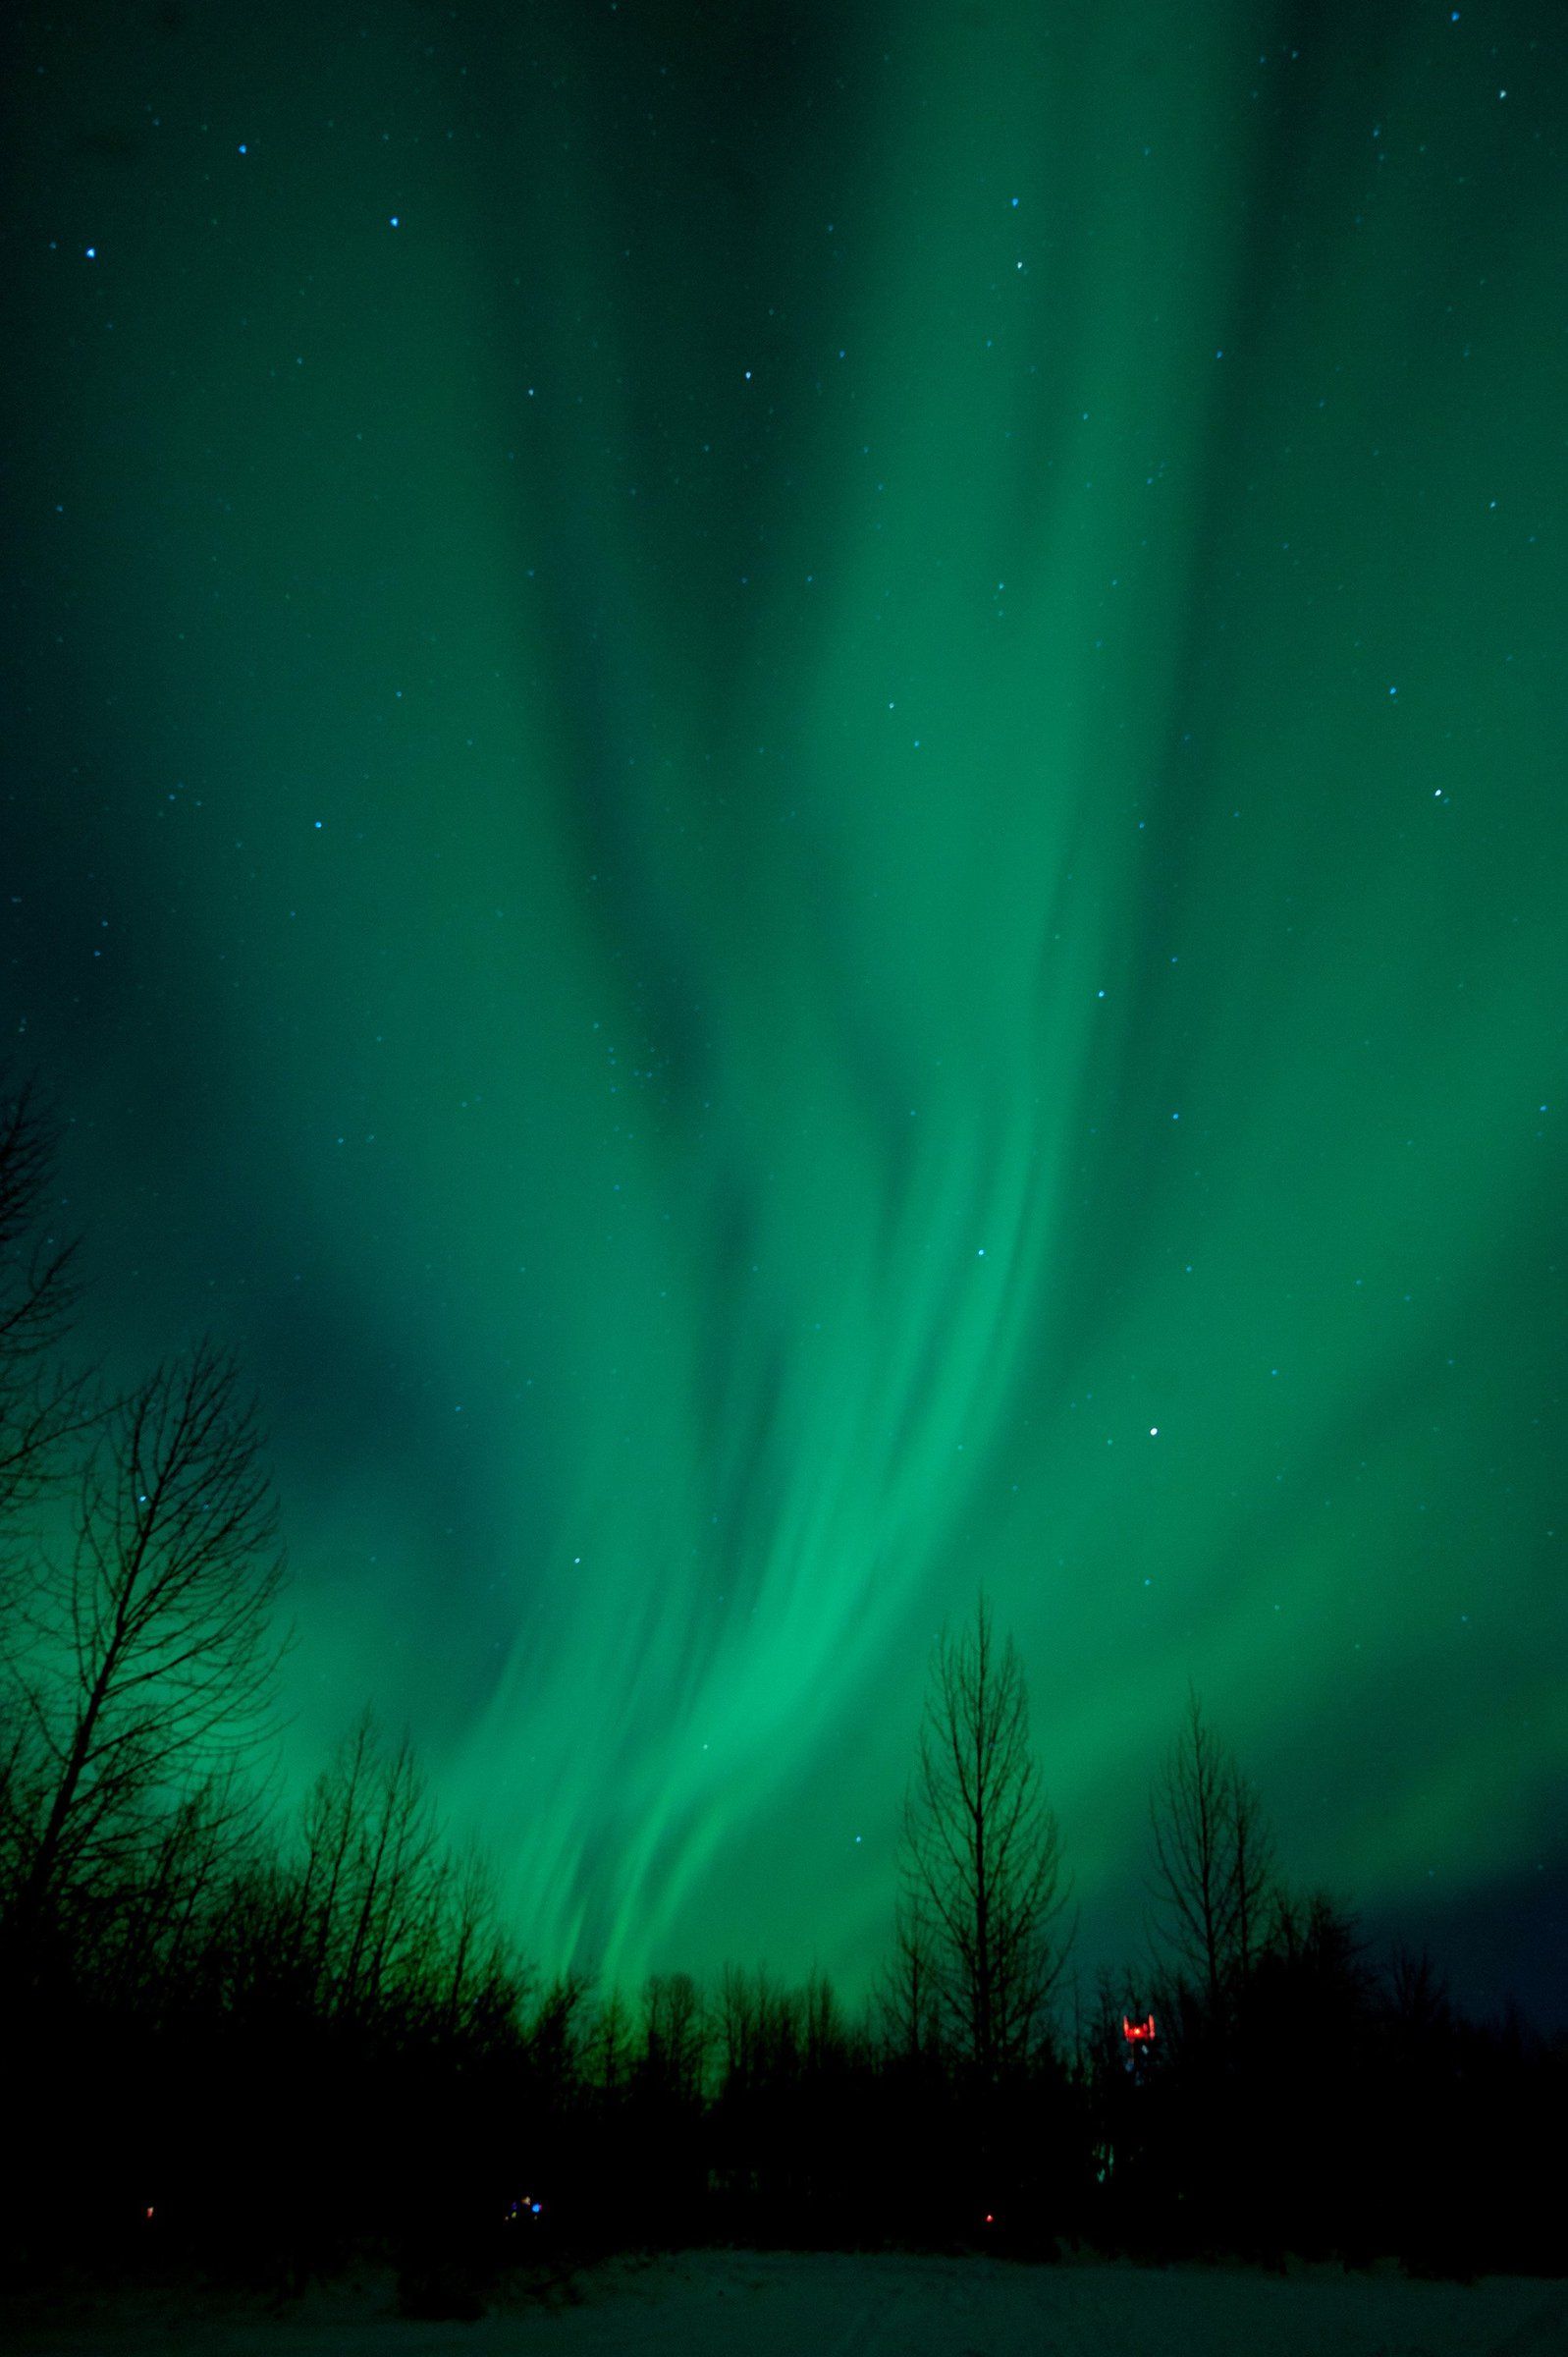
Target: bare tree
[
  {"x": 42, "y": 1409},
  {"x": 1214, "y": 1879},
  {"x": 391, "y": 1916},
  {"x": 41, "y": 1405},
  {"x": 370, "y": 1889},
  {"x": 154, "y": 1648},
  {"x": 1420, "y": 2004},
  {"x": 983, "y": 1853},
  {"x": 1255, "y": 1877},
  {"x": 476, "y": 1980},
  {"x": 676, "y": 2033},
  {"x": 825, "y": 2034},
  {"x": 318, "y": 1902},
  {"x": 742, "y": 2000},
  {"x": 559, "y": 2030},
  {"x": 609, "y": 2047},
  {"x": 760, "y": 2028},
  {"x": 181, "y": 1877},
  {"x": 906, "y": 1987}
]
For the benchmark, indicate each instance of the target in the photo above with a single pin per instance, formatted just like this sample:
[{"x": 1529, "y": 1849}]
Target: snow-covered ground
[{"x": 750, "y": 2304}]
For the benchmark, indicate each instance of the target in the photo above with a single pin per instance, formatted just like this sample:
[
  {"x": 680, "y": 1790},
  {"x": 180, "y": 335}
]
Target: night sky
[{"x": 785, "y": 796}]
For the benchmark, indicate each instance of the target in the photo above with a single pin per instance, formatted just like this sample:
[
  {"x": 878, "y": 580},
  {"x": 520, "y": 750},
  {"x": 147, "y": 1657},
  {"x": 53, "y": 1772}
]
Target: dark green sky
[{"x": 786, "y": 796}]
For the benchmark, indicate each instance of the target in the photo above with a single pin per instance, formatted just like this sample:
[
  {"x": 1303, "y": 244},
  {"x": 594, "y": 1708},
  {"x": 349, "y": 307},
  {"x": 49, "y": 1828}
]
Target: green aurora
[{"x": 786, "y": 798}]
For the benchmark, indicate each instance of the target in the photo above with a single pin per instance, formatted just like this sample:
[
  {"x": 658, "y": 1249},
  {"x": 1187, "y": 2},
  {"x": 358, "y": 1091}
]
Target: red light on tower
[{"x": 1138, "y": 2033}]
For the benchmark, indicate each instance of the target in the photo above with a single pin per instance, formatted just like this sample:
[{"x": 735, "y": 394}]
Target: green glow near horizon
[{"x": 866, "y": 752}]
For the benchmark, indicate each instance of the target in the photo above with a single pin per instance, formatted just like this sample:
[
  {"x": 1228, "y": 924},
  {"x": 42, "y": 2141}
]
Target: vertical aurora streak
[{"x": 789, "y": 803}]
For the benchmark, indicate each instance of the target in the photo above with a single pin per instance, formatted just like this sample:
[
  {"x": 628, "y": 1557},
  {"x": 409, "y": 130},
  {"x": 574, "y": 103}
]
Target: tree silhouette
[
  {"x": 982, "y": 1863},
  {"x": 1213, "y": 1871},
  {"x": 906, "y": 1996},
  {"x": 41, "y": 1405},
  {"x": 152, "y": 1647},
  {"x": 383, "y": 1918},
  {"x": 676, "y": 2033},
  {"x": 42, "y": 1408}
]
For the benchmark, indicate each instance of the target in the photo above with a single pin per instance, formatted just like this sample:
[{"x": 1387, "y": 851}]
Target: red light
[
  {"x": 1136, "y": 2031},
  {"x": 147, "y": 2213},
  {"x": 990, "y": 2220}
]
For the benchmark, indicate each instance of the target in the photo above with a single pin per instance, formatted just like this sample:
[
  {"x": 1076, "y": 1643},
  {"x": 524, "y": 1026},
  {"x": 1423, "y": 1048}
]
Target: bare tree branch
[
  {"x": 1214, "y": 1879},
  {"x": 43, "y": 1407},
  {"x": 154, "y": 1648},
  {"x": 984, "y": 1885}
]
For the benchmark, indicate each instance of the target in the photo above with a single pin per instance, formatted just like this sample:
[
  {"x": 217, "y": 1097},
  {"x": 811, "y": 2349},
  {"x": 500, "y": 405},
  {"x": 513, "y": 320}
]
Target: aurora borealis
[{"x": 785, "y": 797}]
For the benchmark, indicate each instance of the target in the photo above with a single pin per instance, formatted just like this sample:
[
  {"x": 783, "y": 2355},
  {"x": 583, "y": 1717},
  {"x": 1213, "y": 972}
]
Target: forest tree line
[{"x": 241, "y": 2035}]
